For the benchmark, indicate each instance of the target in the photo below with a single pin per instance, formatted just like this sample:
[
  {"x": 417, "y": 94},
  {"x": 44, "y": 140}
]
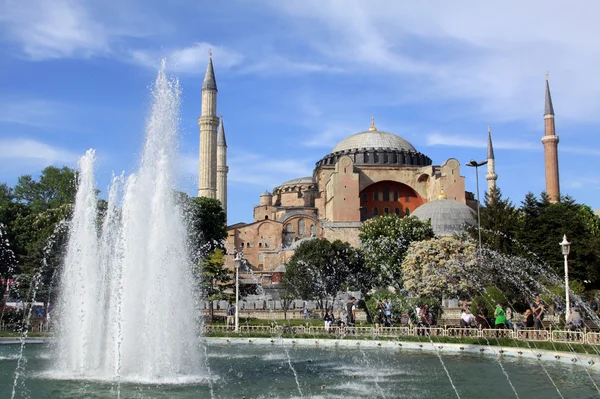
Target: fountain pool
[{"x": 271, "y": 371}]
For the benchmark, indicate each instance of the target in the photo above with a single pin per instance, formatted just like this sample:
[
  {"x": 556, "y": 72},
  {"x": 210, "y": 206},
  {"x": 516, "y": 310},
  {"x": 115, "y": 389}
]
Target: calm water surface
[{"x": 265, "y": 372}]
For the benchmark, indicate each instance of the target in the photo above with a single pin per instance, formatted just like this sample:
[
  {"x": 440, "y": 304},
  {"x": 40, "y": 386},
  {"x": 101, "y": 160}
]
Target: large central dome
[{"x": 374, "y": 139}]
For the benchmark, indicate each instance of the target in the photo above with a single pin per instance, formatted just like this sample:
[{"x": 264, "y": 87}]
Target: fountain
[
  {"x": 126, "y": 323},
  {"x": 127, "y": 302}
]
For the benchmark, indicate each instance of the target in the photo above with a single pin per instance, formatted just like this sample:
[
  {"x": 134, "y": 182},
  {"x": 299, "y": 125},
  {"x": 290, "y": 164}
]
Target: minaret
[
  {"x": 208, "y": 122},
  {"x": 550, "y": 141},
  {"x": 222, "y": 167},
  {"x": 491, "y": 175}
]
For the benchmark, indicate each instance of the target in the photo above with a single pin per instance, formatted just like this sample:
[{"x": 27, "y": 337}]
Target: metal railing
[{"x": 571, "y": 337}]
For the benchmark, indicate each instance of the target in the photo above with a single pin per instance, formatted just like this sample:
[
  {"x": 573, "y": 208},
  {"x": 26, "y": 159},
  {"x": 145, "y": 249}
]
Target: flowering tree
[
  {"x": 384, "y": 242},
  {"x": 442, "y": 267}
]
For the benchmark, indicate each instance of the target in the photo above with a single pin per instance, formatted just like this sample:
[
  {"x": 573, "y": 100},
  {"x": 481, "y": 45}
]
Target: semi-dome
[
  {"x": 374, "y": 139},
  {"x": 447, "y": 216},
  {"x": 299, "y": 180}
]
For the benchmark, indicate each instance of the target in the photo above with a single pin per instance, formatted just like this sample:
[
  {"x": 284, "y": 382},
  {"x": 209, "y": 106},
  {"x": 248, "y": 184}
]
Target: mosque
[{"x": 367, "y": 174}]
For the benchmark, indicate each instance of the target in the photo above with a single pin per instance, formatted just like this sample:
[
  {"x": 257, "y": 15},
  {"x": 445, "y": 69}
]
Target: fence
[{"x": 571, "y": 337}]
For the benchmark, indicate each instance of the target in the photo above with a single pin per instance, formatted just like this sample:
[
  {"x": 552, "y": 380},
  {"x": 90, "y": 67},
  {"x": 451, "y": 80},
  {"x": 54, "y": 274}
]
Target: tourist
[
  {"x": 351, "y": 312},
  {"x": 388, "y": 312},
  {"x": 538, "y": 313},
  {"x": 467, "y": 319},
  {"x": 328, "y": 319},
  {"x": 574, "y": 320},
  {"x": 509, "y": 317},
  {"x": 528, "y": 323},
  {"x": 380, "y": 308},
  {"x": 500, "y": 317},
  {"x": 230, "y": 314},
  {"x": 482, "y": 314}
]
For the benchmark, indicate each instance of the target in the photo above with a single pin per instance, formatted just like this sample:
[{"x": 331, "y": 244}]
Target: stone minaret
[
  {"x": 491, "y": 175},
  {"x": 222, "y": 167},
  {"x": 208, "y": 122},
  {"x": 550, "y": 141}
]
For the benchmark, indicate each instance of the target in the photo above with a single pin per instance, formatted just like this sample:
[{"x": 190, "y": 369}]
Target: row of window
[
  {"x": 384, "y": 196},
  {"x": 386, "y": 211},
  {"x": 260, "y": 245}
]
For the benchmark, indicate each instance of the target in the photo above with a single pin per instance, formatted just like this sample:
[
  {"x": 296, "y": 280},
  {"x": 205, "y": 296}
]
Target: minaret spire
[
  {"x": 222, "y": 168},
  {"x": 548, "y": 109},
  {"x": 208, "y": 122},
  {"x": 550, "y": 142},
  {"x": 491, "y": 175}
]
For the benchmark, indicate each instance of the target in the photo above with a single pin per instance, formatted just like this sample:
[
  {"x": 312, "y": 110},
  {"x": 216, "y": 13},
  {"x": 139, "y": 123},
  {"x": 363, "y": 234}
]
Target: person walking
[
  {"x": 500, "y": 315},
  {"x": 351, "y": 312},
  {"x": 388, "y": 312}
]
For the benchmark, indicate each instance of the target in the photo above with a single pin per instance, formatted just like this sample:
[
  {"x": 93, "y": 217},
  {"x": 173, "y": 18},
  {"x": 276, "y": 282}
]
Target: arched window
[
  {"x": 386, "y": 210},
  {"x": 261, "y": 257},
  {"x": 386, "y": 193},
  {"x": 301, "y": 227},
  {"x": 288, "y": 228},
  {"x": 266, "y": 217},
  {"x": 260, "y": 244},
  {"x": 313, "y": 230},
  {"x": 397, "y": 211},
  {"x": 407, "y": 212},
  {"x": 375, "y": 212},
  {"x": 243, "y": 247}
]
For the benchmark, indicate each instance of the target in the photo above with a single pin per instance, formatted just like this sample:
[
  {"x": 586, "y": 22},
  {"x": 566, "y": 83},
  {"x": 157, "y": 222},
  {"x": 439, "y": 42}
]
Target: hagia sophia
[{"x": 369, "y": 173}]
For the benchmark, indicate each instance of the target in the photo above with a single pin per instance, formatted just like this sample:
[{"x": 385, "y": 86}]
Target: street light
[
  {"x": 238, "y": 262},
  {"x": 476, "y": 165},
  {"x": 566, "y": 248}
]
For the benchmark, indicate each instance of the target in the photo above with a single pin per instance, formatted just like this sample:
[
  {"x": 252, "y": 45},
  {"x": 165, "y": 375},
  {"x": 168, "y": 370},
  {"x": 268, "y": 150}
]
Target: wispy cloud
[
  {"x": 190, "y": 59},
  {"x": 35, "y": 152},
  {"x": 70, "y": 28},
  {"x": 31, "y": 112},
  {"x": 463, "y": 52},
  {"x": 451, "y": 140}
]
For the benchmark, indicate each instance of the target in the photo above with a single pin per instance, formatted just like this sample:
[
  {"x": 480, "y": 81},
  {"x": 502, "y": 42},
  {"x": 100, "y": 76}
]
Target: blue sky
[{"x": 296, "y": 77}]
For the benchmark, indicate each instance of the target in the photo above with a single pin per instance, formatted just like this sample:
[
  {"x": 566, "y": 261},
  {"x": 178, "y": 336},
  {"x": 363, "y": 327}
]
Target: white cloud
[
  {"x": 28, "y": 151},
  {"x": 484, "y": 53},
  {"x": 190, "y": 59},
  {"x": 60, "y": 28},
  {"x": 71, "y": 28}
]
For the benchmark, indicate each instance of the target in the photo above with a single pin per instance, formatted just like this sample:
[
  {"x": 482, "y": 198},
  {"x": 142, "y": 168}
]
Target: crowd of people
[{"x": 503, "y": 317}]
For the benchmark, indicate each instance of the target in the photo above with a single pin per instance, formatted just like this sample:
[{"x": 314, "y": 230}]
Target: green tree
[
  {"x": 215, "y": 279},
  {"x": 207, "y": 222},
  {"x": 384, "y": 242},
  {"x": 543, "y": 227},
  {"x": 442, "y": 267},
  {"x": 54, "y": 188},
  {"x": 500, "y": 223},
  {"x": 319, "y": 269}
]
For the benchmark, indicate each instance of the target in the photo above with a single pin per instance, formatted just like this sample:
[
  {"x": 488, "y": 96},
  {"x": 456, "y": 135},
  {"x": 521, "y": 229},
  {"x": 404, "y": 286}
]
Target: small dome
[
  {"x": 447, "y": 216},
  {"x": 374, "y": 139},
  {"x": 266, "y": 194}
]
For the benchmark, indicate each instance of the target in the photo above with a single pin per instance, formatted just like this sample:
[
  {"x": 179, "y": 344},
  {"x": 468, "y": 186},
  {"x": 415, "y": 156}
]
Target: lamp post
[
  {"x": 566, "y": 248},
  {"x": 238, "y": 262},
  {"x": 476, "y": 165}
]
